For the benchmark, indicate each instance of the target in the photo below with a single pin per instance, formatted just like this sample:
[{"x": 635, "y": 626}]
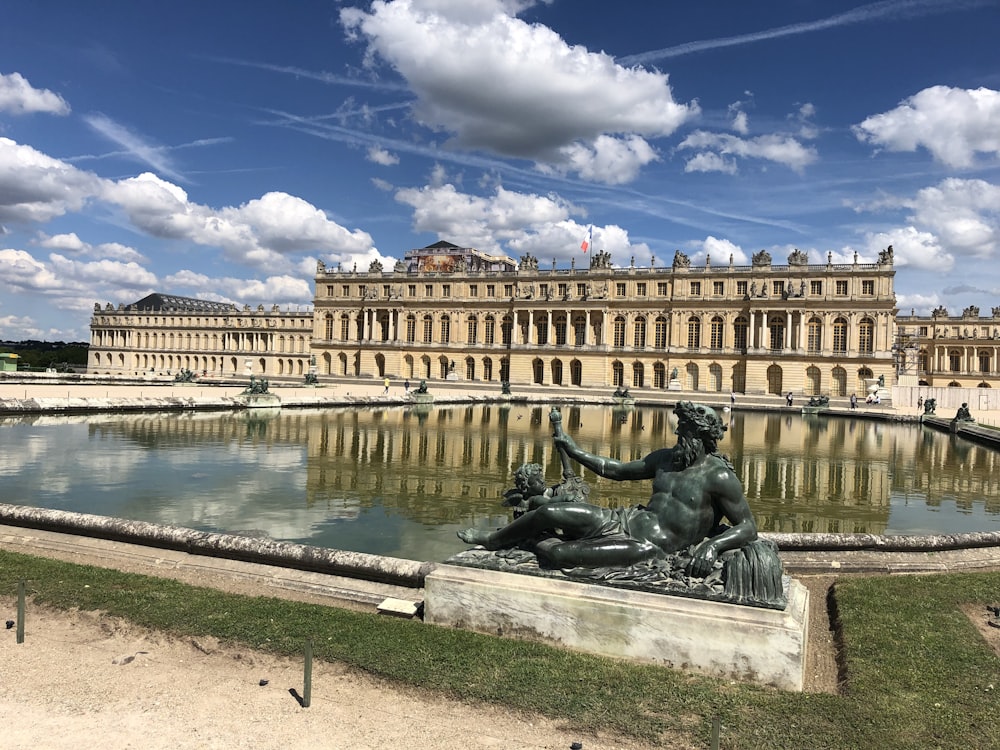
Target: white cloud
[
  {"x": 35, "y": 187},
  {"x": 713, "y": 149},
  {"x": 256, "y": 233},
  {"x": 14, "y": 328},
  {"x": 962, "y": 216},
  {"x": 709, "y": 162},
  {"x": 379, "y": 155},
  {"x": 605, "y": 159},
  {"x": 72, "y": 243},
  {"x": 953, "y": 124},
  {"x": 719, "y": 251},
  {"x": 912, "y": 247},
  {"x": 19, "y": 97},
  {"x": 481, "y": 222},
  {"x": 445, "y": 50},
  {"x": 921, "y": 304},
  {"x": 278, "y": 290}
]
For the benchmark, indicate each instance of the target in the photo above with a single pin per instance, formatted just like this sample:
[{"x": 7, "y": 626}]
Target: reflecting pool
[{"x": 402, "y": 481}]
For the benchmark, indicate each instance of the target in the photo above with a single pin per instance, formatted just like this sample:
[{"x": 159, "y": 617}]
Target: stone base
[
  {"x": 422, "y": 398},
  {"x": 674, "y": 385},
  {"x": 722, "y": 640},
  {"x": 259, "y": 400}
]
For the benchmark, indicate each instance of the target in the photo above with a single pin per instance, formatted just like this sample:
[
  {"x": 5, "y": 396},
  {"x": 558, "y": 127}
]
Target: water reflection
[{"x": 401, "y": 481}]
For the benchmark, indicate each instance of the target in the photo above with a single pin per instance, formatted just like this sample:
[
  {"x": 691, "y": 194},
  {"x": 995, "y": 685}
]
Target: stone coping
[{"x": 266, "y": 551}]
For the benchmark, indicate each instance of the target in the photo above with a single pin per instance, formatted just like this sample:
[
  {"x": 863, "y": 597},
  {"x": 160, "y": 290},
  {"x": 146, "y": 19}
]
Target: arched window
[
  {"x": 776, "y": 327},
  {"x": 715, "y": 377},
  {"x": 579, "y": 332},
  {"x": 813, "y": 382},
  {"x": 814, "y": 336},
  {"x": 560, "y": 326},
  {"x": 954, "y": 360},
  {"x": 660, "y": 334},
  {"x": 619, "y": 334},
  {"x": 717, "y": 328},
  {"x": 638, "y": 375},
  {"x": 473, "y": 331},
  {"x": 694, "y": 332},
  {"x": 428, "y": 329},
  {"x": 506, "y": 329},
  {"x": 345, "y": 328},
  {"x": 866, "y": 336},
  {"x": 489, "y": 335},
  {"x": 840, "y": 336},
  {"x": 640, "y": 333},
  {"x": 445, "y": 329},
  {"x": 411, "y": 329},
  {"x": 741, "y": 330},
  {"x": 984, "y": 361},
  {"x": 617, "y": 373},
  {"x": 659, "y": 375},
  {"x": 839, "y": 376}
]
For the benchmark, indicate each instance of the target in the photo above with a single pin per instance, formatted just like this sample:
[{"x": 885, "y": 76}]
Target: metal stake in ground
[
  {"x": 307, "y": 677},
  {"x": 20, "y": 611}
]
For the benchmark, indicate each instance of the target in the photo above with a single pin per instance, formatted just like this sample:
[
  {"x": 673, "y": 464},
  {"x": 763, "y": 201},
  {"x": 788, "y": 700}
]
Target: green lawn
[{"x": 919, "y": 675}]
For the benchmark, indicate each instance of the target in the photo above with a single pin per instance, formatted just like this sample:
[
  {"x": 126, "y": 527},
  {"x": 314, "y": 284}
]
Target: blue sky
[{"x": 219, "y": 149}]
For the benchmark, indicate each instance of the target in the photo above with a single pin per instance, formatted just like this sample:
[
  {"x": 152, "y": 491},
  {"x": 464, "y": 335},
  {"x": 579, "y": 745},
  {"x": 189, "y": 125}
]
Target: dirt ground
[{"x": 83, "y": 675}]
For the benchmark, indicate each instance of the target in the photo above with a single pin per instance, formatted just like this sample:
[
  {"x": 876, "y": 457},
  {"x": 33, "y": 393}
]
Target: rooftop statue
[{"x": 694, "y": 490}]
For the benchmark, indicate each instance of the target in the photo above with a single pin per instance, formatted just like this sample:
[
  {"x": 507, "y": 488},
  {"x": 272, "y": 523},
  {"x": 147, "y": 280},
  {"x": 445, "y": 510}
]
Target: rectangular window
[
  {"x": 661, "y": 288},
  {"x": 923, "y": 330},
  {"x": 640, "y": 289},
  {"x": 620, "y": 289},
  {"x": 564, "y": 290},
  {"x": 411, "y": 290},
  {"x": 741, "y": 288},
  {"x": 446, "y": 290},
  {"x": 385, "y": 290},
  {"x": 428, "y": 290},
  {"x": 363, "y": 291},
  {"x": 473, "y": 290},
  {"x": 718, "y": 288},
  {"x": 345, "y": 291},
  {"x": 777, "y": 288},
  {"x": 581, "y": 290},
  {"x": 695, "y": 288},
  {"x": 508, "y": 290},
  {"x": 868, "y": 287},
  {"x": 491, "y": 290},
  {"x": 329, "y": 290},
  {"x": 816, "y": 287},
  {"x": 841, "y": 288}
]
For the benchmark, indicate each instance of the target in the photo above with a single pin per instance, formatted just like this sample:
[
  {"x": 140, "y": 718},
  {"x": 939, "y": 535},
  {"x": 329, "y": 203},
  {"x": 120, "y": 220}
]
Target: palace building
[
  {"x": 764, "y": 328},
  {"x": 950, "y": 351},
  {"x": 165, "y": 334}
]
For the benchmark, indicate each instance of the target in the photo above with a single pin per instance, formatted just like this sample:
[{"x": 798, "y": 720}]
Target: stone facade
[
  {"x": 958, "y": 351},
  {"x": 164, "y": 334},
  {"x": 763, "y": 328}
]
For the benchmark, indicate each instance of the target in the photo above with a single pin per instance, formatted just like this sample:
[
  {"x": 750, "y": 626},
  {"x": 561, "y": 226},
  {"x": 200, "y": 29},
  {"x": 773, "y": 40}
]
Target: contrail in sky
[{"x": 864, "y": 14}]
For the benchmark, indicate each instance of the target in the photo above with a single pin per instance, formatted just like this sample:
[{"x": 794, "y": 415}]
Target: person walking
[
  {"x": 732, "y": 399},
  {"x": 386, "y": 383},
  {"x": 854, "y": 401},
  {"x": 406, "y": 385},
  {"x": 788, "y": 399}
]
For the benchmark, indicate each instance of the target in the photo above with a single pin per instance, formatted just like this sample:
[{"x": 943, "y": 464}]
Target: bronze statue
[
  {"x": 422, "y": 388},
  {"x": 694, "y": 489},
  {"x": 256, "y": 386},
  {"x": 963, "y": 414},
  {"x": 930, "y": 405}
]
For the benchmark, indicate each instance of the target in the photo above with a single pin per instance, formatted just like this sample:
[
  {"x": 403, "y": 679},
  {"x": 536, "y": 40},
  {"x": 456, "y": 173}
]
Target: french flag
[{"x": 588, "y": 240}]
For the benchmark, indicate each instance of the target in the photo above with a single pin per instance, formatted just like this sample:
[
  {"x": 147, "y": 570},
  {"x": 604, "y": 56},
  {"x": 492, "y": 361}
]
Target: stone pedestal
[
  {"x": 422, "y": 398},
  {"x": 674, "y": 385},
  {"x": 259, "y": 400},
  {"x": 724, "y": 640}
]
